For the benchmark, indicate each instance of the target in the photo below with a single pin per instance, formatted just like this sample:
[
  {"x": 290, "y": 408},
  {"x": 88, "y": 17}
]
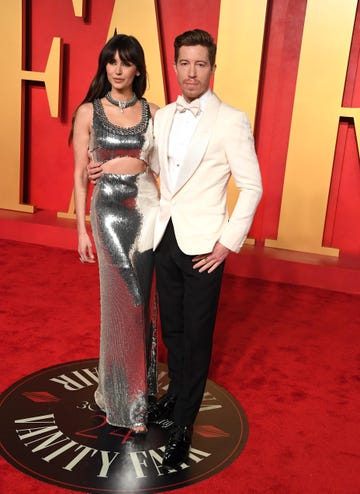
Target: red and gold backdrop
[{"x": 291, "y": 64}]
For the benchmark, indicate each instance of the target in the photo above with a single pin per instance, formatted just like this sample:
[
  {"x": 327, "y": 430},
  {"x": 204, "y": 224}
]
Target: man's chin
[{"x": 191, "y": 95}]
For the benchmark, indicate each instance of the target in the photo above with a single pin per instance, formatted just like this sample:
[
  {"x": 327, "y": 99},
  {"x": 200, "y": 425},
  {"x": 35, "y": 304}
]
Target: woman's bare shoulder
[
  {"x": 153, "y": 109},
  {"x": 85, "y": 109},
  {"x": 84, "y": 113}
]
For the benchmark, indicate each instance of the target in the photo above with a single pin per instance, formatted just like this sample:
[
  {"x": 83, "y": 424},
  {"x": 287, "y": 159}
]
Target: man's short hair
[{"x": 193, "y": 38}]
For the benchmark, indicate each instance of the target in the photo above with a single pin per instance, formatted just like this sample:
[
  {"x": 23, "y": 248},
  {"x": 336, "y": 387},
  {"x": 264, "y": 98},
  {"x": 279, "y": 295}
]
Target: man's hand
[
  {"x": 209, "y": 262},
  {"x": 94, "y": 170}
]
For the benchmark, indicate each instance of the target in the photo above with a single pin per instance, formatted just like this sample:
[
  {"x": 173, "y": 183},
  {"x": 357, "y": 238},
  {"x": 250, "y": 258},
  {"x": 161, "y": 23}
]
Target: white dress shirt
[{"x": 182, "y": 130}]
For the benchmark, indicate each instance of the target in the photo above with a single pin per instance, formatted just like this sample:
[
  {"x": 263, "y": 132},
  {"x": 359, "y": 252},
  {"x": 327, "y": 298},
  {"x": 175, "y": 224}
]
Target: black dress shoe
[
  {"x": 178, "y": 446},
  {"x": 162, "y": 409}
]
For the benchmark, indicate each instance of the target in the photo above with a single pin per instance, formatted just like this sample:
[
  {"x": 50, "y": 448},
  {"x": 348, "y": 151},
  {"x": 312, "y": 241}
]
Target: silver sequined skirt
[{"x": 123, "y": 211}]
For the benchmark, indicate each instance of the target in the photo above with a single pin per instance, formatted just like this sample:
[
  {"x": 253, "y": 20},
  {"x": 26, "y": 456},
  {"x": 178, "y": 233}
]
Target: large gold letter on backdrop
[
  {"x": 317, "y": 107},
  {"x": 240, "y": 42},
  {"x": 12, "y": 103},
  {"x": 79, "y": 7},
  {"x": 238, "y": 63}
]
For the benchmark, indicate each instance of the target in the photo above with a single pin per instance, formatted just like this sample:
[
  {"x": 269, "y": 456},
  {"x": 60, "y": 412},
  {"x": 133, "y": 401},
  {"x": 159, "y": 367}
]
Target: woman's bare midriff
[{"x": 124, "y": 166}]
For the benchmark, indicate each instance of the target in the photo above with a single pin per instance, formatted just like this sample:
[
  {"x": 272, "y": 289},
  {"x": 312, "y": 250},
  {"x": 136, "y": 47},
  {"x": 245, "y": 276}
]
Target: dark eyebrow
[{"x": 196, "y": 61}]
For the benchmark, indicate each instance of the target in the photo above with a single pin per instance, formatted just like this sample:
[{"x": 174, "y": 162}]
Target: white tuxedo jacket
[{"x": 222, "y": 145}]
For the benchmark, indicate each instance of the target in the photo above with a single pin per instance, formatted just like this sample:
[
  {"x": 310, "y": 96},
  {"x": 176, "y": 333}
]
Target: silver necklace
[{"x": 121, "y": 104}]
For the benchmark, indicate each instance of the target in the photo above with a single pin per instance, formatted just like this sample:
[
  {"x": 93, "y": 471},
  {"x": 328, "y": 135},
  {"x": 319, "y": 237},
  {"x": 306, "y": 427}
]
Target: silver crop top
[{"x": 109, "y": 141}]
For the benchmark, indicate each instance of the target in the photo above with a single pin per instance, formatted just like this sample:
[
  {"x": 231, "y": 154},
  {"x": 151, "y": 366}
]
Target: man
[{"x": 197, "y": 149}]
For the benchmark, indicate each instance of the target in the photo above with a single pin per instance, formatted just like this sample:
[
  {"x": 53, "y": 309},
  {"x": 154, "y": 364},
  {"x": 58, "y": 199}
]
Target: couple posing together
[{"x": 194, "y": 145}]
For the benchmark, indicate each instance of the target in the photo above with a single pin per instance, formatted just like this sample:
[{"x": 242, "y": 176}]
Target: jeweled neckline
[
  {"x": 121, "y": 104},
  {"x": 140, "y": 127}
]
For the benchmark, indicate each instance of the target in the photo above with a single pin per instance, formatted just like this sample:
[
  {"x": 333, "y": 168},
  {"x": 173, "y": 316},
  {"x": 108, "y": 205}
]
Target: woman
[{"x": 114, "y": 124}]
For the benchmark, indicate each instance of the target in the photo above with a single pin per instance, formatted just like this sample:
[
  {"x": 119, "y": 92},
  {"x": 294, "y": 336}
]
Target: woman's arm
[{"x": 81, "y": 137}]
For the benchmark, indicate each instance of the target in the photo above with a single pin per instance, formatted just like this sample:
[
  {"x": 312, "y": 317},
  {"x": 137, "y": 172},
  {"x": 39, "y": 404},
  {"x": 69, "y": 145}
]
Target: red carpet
[{"x": 289, "y": 354}]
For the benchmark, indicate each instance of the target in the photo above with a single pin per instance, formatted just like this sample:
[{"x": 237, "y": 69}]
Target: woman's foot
[{"x": 140, "y": 430}]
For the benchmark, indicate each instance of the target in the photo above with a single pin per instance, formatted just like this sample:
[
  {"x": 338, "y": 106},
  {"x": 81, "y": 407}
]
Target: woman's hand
[{"x": 85, "y": 249}]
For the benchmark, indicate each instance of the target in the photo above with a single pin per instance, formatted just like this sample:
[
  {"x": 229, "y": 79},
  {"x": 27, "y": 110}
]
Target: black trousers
[{"x": 188, "y": 306}]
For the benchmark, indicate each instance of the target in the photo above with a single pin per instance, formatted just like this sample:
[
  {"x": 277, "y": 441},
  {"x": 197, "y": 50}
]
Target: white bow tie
[{"x": 193, "y": 106}]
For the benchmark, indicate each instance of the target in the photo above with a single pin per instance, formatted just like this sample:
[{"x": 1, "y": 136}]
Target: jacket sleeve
[
  {"x": 243, "y": 162},
  {"x": 154, "y": 159}
]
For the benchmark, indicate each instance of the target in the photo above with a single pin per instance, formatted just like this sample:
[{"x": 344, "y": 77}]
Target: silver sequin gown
[{"x": 123, "y": 211}]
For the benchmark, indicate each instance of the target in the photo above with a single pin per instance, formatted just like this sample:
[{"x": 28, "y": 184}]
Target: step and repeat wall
[{"x": 292, "y": 65}]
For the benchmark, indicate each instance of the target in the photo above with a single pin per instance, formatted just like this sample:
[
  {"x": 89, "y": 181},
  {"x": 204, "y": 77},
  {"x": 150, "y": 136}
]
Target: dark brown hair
[{"x": 193, "y": 38}]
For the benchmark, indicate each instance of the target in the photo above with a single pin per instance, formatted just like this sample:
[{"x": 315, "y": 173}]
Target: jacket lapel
[{"x": 199, "y": 142}]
